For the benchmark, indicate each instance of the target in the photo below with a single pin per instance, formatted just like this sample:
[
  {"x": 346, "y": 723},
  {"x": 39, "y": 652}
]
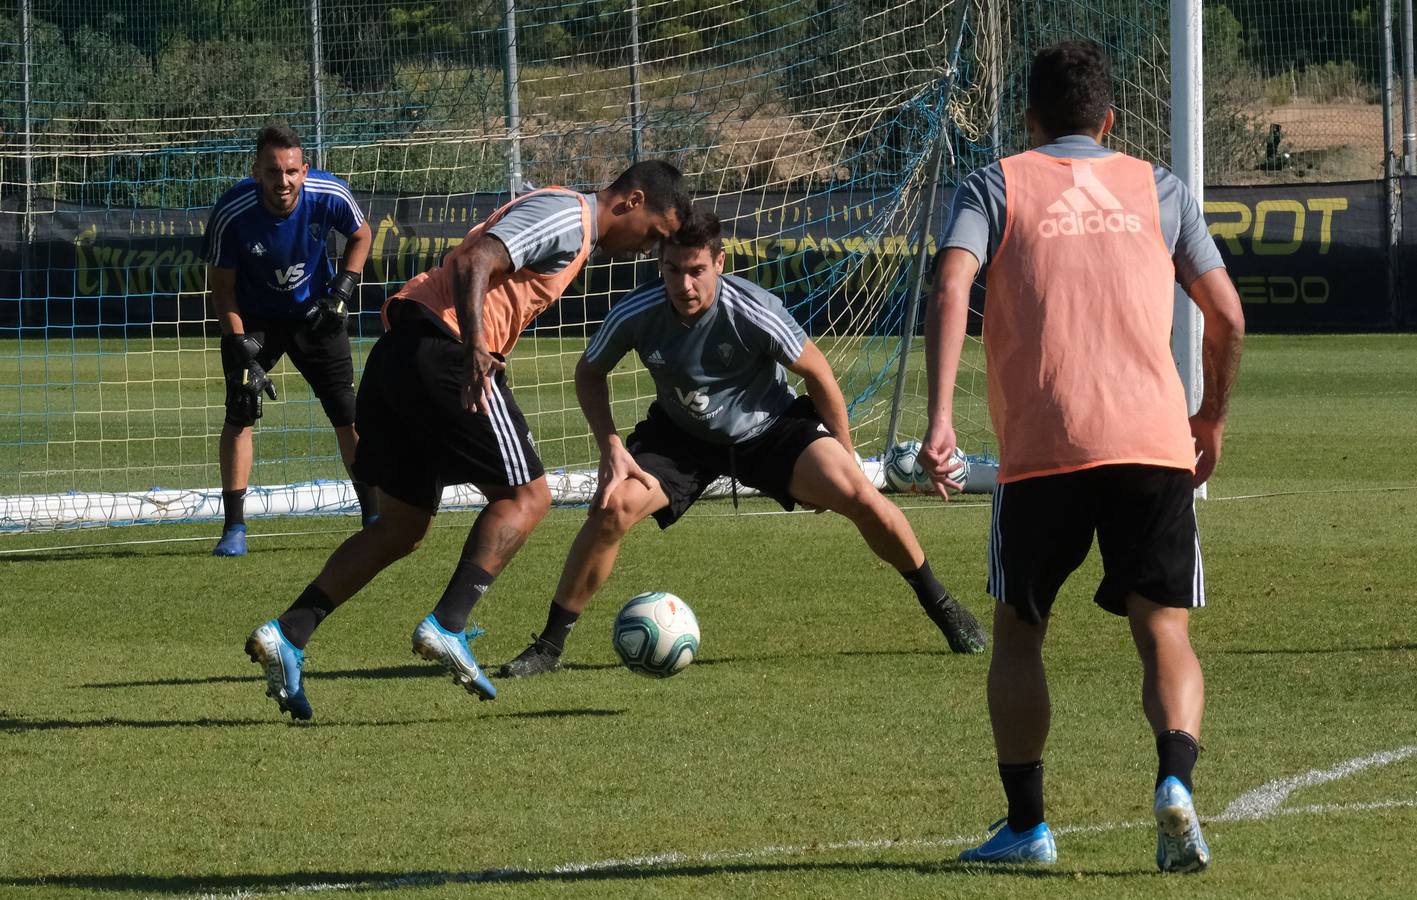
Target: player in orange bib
[
  {"x": 1084, "y": 248},
  {"x": 434, "y": 410}
]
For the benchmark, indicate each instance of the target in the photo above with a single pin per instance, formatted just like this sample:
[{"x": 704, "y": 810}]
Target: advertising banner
[{"x": 1303, "y": 257}]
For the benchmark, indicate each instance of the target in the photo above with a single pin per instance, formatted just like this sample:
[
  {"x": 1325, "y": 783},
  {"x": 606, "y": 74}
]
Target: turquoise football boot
[
  {"x": 1179, "y": 845},
  {"x": 434, "y": 642},
  {"x": 282, "y": 662},
  {"x": 1005, "y": 845}
]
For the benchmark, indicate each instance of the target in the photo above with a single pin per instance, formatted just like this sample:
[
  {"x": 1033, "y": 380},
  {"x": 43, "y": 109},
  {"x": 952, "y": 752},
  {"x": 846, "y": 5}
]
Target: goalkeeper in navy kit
[
  {"x": 718, "y": 348},
  {"x": 275, "y": 293}
]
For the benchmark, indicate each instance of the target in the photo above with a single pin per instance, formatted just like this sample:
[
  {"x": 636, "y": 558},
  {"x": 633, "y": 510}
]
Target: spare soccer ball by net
[
  {"x": 903, "y": 472},
  {"x": 656, "y": 634}
]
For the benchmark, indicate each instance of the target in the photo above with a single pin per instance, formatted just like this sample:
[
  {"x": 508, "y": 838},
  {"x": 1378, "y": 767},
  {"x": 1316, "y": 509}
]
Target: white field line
[
  {"x": 1262, "y": 803},
  {"x": 1265, "y": 799}
]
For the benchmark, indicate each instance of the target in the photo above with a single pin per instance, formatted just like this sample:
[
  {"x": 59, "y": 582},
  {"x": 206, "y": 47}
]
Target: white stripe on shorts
[
  {"x": 1198, "y": 581},
  {"x": 513, "y": 459},
  {"x": 995, "y": 585}
]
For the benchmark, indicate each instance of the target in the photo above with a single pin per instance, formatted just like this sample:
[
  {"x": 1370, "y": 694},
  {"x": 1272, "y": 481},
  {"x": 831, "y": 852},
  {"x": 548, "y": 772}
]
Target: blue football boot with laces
[
  {"x": 434, "y": 642},
  {"x": 281, "y": 661},
  {"x": 1005, "y": 845},
  {"x": 232, "y": 543},
  {"x": 1179, "y": 845}
]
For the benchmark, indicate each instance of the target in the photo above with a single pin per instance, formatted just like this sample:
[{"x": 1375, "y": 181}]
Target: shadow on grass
[
  {"x": 13, "y": 725},
  {"x": 1306, "y": 651},
  {"x": 380, "y": 672},
  {"x": 557, "y": 714},
  {"x": 124, "y": 553},
  {"x": 430, "y": 671},
  {"x": 594, "y": 872}
]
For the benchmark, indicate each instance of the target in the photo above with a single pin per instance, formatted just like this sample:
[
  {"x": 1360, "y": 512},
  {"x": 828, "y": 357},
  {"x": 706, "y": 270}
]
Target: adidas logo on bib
[
  {"x": 1088, "y": 208},
  {"x": 654, "y": 359}
]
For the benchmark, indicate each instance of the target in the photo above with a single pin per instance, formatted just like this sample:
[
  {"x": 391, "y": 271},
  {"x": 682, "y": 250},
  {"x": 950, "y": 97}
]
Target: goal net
[{"x": 826, "y": 134}]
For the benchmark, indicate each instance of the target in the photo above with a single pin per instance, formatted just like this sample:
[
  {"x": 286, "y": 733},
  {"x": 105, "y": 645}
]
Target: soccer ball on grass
[{"x": 656, "y": 634}]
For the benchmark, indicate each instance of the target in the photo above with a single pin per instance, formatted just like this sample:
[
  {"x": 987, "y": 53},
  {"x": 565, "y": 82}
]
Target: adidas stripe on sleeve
[
  {"x": 345, "y": 214},
  {"x": 541, "y": 232},
  {"x": 617, "y": 336},
  {"x": 221, "y": 243},
  {"x": 785, "y": 338}
]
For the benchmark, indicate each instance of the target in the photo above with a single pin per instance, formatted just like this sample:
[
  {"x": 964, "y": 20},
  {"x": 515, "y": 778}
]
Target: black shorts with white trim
[
  {"x": 415, "y": 437},
  {"x": 1145, "y": 522},
  {"x": 685, "y": 466}
]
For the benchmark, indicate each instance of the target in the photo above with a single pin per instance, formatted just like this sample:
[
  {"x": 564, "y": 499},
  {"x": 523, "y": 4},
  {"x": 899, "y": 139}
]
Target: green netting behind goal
[{"x": 826, "y": 133}]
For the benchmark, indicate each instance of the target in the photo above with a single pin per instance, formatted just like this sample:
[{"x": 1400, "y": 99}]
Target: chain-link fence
[{"x": 1295, "y": 89}]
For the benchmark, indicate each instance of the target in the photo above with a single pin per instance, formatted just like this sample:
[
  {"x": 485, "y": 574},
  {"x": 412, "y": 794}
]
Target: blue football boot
[
  {"x": 1179, "y": 845},
  {"x": 1005, "y": 845},
  {"x": 232, "y": 543},
  {"x": 282, "y": 661},
  {"x": 434, "y": 642}
]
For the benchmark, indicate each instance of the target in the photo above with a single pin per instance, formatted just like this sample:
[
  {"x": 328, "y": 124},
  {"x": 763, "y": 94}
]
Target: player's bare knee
[
  {"x": 859, "y": 503},
  {"x": 615, "y": 518},
  {"x": 533, "y": 501},
  {"x": 397, "y": 542}
]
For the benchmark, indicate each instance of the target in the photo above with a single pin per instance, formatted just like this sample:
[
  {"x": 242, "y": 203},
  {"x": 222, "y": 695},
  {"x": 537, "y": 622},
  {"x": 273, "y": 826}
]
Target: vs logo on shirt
[
  {"x": 290, "y": 275},
  {"x": 697, "y": 401}
]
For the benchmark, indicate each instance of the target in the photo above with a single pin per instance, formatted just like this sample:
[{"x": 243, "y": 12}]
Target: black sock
[
  {"x": 1023, "y": 786},
  {"x": 932, "y": 595},
  {"x": 233, "y": 506},
  {"x": 469, "y": 582},
  {"x": 1176, "y": 753},
  {"x": 368, "y": 501},
  {"x": 305, "y": 615},
  {"x": 559, "y": 622}
]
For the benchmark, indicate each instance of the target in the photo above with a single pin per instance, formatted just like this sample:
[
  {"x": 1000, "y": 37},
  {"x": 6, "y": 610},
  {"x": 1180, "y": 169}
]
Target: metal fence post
[
  {"x": 1409, "y": 117},
  {"x": 514, "y": 113},
  {"x": 637, "y": 137},
  {"x": 27, "y": 140},
  {"x": 317, "y": 71},
  {"x": 1392, "y": 200}
]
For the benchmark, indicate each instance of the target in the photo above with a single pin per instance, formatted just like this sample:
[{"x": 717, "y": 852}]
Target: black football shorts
[
  {"x": 685, "y": 465},
  {"x": 1145, "y": 522},
  {"x": 415, "y": 437}
]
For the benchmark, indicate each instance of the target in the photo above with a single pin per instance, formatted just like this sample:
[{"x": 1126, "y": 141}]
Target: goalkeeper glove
[
  {"x": 329, "y": 313},
  {"x": 247, "y": 380}
]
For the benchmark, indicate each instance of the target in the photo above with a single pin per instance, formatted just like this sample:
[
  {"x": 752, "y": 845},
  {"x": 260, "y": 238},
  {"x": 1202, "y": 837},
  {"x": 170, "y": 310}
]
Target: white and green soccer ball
[
  {"x": 656, "y": 634},
  {"x": 903, "y": 472}
]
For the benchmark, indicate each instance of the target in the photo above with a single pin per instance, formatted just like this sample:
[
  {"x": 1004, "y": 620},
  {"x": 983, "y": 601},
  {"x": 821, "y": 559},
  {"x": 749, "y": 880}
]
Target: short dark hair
[
  {"x": 700, "y": 228},
  {"x": 663, "y": 186},
  {"x": 281, "y": 137},
  {"x": 1070, "y": 87}
]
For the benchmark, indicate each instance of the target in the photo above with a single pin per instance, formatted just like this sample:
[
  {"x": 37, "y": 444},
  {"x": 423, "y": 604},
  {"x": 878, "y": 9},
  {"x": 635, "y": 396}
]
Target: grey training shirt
[
  {"x": 542, "y": 232},
  {"x": 720, "y": 377},
  {"x": 979, "y": 215}
]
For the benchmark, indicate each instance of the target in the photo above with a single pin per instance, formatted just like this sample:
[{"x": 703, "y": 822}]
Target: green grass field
[{"x": 826, "y": 744}]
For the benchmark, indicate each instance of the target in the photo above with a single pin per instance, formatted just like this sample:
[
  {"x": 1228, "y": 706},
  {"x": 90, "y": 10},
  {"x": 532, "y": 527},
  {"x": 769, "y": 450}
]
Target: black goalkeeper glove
[
  {"x": 329, "y": 314},
  {"x": 247, "y": 380}
]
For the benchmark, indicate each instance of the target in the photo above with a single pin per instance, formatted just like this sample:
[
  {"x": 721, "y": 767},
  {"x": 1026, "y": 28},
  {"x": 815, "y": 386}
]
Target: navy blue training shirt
[{"x": 281, "y": 263}]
